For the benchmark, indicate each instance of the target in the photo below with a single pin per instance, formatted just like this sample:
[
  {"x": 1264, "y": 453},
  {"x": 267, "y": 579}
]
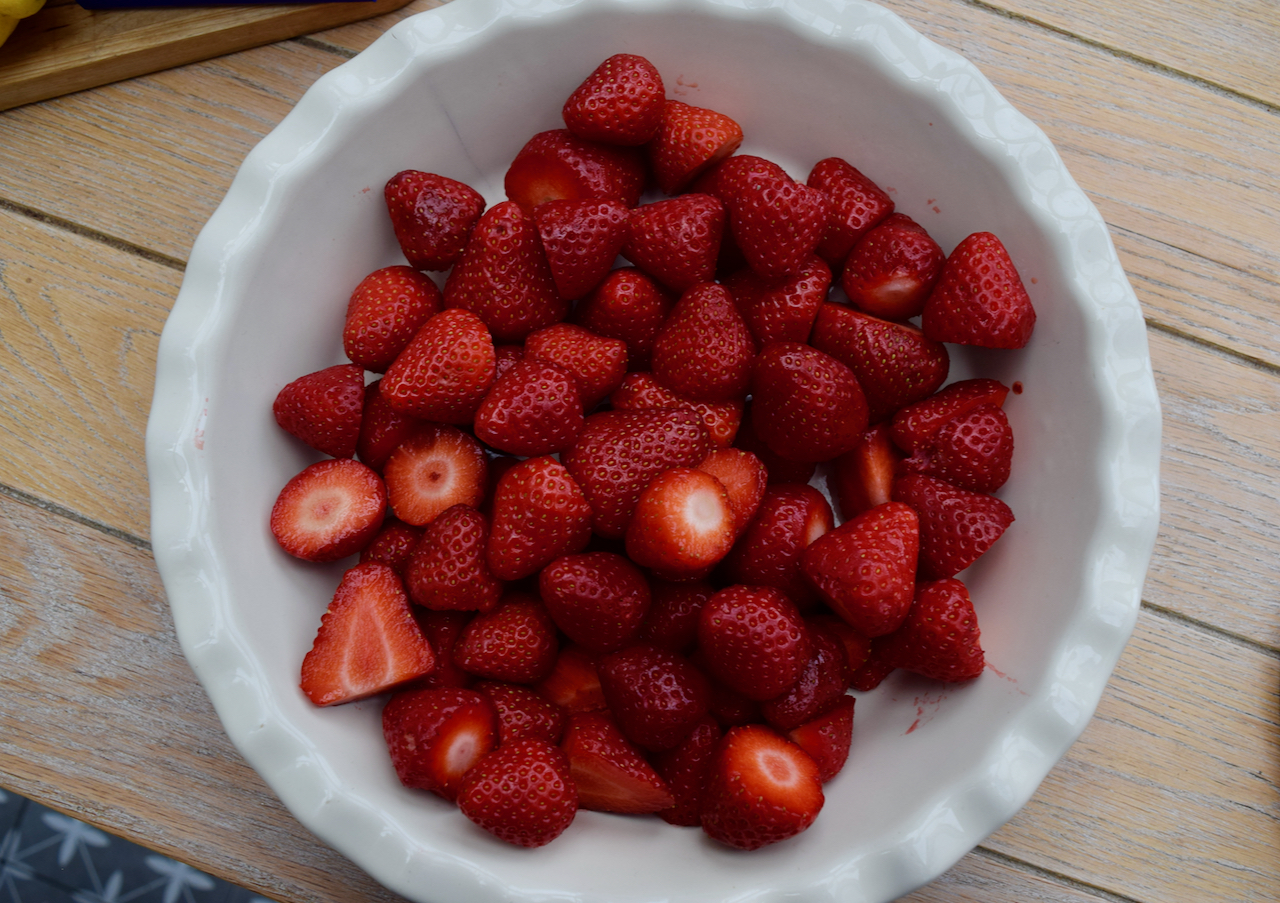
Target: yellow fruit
[
  {"x": 19, "y": 9},
  {"x": 7, "y": 25}
]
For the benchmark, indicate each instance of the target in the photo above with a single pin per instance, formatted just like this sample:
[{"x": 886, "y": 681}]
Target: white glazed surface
[{"x": 457, "y": 90}]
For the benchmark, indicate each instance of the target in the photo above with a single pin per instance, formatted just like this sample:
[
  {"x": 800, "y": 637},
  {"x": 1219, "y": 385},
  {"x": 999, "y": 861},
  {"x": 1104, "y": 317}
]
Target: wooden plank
[
  {"x": 981, "y": 877},
  {"x": 1173, "y": 791},
  {"x": 1233, "y": 45},
  {"x": 65, "y": 48}
]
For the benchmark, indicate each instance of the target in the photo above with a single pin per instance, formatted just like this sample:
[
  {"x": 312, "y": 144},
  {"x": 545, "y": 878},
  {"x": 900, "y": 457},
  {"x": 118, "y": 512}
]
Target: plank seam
[
  {"x": 34, "y": 501},
  {"x": 1056, "y": 877},
  {"x": 94, "y": 235},
  {"x": 325, "y": 46},
  {"x": 1249, "y": 360},
  {"x": 1220, "y": 632}
]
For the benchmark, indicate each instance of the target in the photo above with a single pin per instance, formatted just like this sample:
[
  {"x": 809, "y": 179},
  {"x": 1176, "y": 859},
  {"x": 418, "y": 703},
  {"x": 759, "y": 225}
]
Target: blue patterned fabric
[{"x": 47, "y": 857}]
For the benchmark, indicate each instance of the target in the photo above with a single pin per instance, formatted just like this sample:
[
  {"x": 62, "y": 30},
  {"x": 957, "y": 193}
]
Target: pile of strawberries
[{"x": 593, "y": 571}]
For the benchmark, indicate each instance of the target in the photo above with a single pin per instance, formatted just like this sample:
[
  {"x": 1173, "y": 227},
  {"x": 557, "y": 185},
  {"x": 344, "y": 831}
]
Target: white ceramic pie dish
[{"x": 457, "y": 90}]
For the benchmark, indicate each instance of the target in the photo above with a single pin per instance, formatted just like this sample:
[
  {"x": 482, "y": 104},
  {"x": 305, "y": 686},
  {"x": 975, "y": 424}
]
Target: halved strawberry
[
  {"x": 382, "y": 428},
  {"x": 620, "y": 102},
  {"x": 521, "y": 792},
  {"x": 432, "y": 216},
  {"x": 704, "y": 351},
  {"x": 598, "y": 599},
  {"x": 957, "y": 526},
  {"x": 895, "y": 363},
  {"x": 368, "y": 641},
  {"x": 979, "y": 298},
  {"x": 581, "y": 239},
  {"x": 865, "y": 569},
  {"x": 329, "y": 510},
  {"x": 806, "y": 405},
  {"x": 610, "y": 773},
  {"x": 436, "y": 735},
  {"x": 819, "y": 688},
  {"x": 573, "y": 682},
  {"x": 323, "y": 409},
  {"x": 915, "y": 425},
  {"x": 973, "y": 450},
  {"x": 641, "y": 391},
  {"x": 447, "y": 569},
  {"x": 598, "y": 363},
  {"x": 385, "y": 312},
  {"x": 776, "y": 221},
  {"x": 753, "y": 640},
  {"x": 827, "y": 738},
  {"x": 672, "y": 620},
  {"x": 940, "y": 637},
  {"x": 539, "y": 514},
  {"x": 781, "y": 311},
  {"x": 761, "y": 789},
  {"x": 630, "y": 306},
  {"x": 439, "y": 466},
  {"x": 790, "y": 517},
  {"x": 444, "y": 371},
  {"x": 393, "y": 545},
  {"x": 515, "y": 642},
  {"x": 558, "y": 165},
  {"x": 656, "y": 696},
  {"x": 690, "y": 140},
  {"x": 684, "y": 768},
  {"x": 892, "y": 269},
  {"x": 523, "y": 713},
  {"x": 744, "y": 479},
  {"x": 677, "y": 240},
  {"x": 863, "y": 477},
  {"x": 533, "y": 409},
  {"x": 857, "y": 205},
  {"x": 503, "y": 276},
  {"x": 682, "y": 525}
]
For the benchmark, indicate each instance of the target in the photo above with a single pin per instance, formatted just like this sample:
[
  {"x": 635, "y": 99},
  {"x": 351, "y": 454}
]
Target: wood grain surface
[{"x": 1167, "y": 112}]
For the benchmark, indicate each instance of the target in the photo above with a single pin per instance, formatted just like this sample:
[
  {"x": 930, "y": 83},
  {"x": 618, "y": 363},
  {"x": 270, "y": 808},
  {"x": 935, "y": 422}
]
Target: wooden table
[{"x": 1168, "y": 114}]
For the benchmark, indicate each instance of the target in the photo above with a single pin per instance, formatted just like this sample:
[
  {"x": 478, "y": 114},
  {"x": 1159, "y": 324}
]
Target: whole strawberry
[
  {"x": 384, "y": 313},
  {"x": 704, "y": 350},
  {"x": 940, "y": 637},
  {"x": 957, "y": 526},
  {"x": 581, "y": 239},
  {"x": 690, "y": 140},
  {"x": 620, "y": 102},
  {"x": 640, "y": 391},
  {"x": 628, "y": 305},
  {"x": 857, "y": 205},
  {"x": 558, "y": 165},
  {"x": 789, "y": 518},
  {"x": 979, "y": 299},
  {"x": 599, "y": 364},
  {"x": 521, "y": 792},
  {"x": 915, "y": 425},
  {"x": 781, "y": 312},
  {"x": 806, "y": 405},
  {"x": 447, "y": 569},
  {"x": 753, "y": 640},
  {"x": 324, "y": 409},
  {"x": 514, "y": 642},
  {"x": 973, "y": 451},
  {"x": 535, "y": 408},
  {"x": 432, "y": 216},
  {"x": 892, "y": 269},
  {"x": 657, "y": 696},
  {"x": 445, "y": 371},
  {"x": 539, "y": 514},
  {"x": 677, "y": 240},
  {"x": 777, "y": 222},
  {"x": 599, "y": 599}
]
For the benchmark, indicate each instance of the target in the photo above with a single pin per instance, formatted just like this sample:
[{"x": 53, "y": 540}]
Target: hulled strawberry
[
  {"x": 940, "y": 637},
  {"x": 522, "y": 713},
  {"x": 439, "y": 466},
  {"x": 539, "y": 514},
  {"x": 533, "y": 409},
  {"x": 827, "y": 738},
  {"x": 857, "y": 205},
  {"x": 515, "y": 642},
  {"x": 690, "y": 140},
  {"x": 581, "y": 240},
  {"x": 599, "y": 599},
  {"x": 979, "y": 298},
  {"x": 720, "y": 179},
  {"x": 435, "y": 736},
  {"x": 685, "y": 768},
  {"x": 630, "y": 306},
  {"x": 656, "y": 696},
  {"x": 973, "y": 450},
  {"x": 682, "y": 525},
  {"x": 704, "y": 351},
  {"x": 781, "y": 470},
  {"x": 521, "y": 792},
  {"x": 444, "y": 371},
  {"x": 610, "y": 773},
  {"x": 393, "y": 545},
  {"x": 368, "y": 641},
  {"x": 863, "y": 477},
  {"x": 558, "y": 165},
  {"x": 753, "y": 640},
  {"x": 957, "y": 526},
  {"x": 777, "y": 222},
  {"x": 503, "y": 276},
  {"x": 744, "y": 479},
  {"x": 447, "y": 569},
  {"x": 442, "y": 629},
  {"x": 598, "y": 363},
  {"x": 914, "y": 426},
  {"x": 817, "y": 690},
  {"x": 640, "y": 391},
  {"x": 790, "y": 518},
  {"x": 892, "y": 269},
  {"x": 573, "y": 682},
  {"x": 324, "y": 409},
  {"x": 806, "y": 405},
  {"x": 385, "y": 312},
  {"x": 672, "y": 620},
  {"x": 781, "y": 312},
  {"x": 382, "y": 428},
  {"x": 620, "y": 102},
  {"x": 329, "y": 510},
  {"x": 677, "y": 240},
  {"x": 432, "y": 216}
]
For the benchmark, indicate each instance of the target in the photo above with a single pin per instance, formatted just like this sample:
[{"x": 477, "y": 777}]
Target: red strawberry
[
  {"x": 323, "y": 409},
  {"x": 523, "y": 713},
  {"x": 620, "y": 102},
  {"x": 385, "y": 312},
  {"x": 438, "y": 467},
  {"x": 619, "y": 452},
  {"x": 744, "y": 479},
  {"x": 729, "y": 707},
  {"x": 863, "y": 477},
  {"x": 442, "y": 629},
  {"x": 684, "y": 768},
  {"x": 704, "y": 350},
  {"x": 581, "y": 239},
  {"x": 872, "y": 672},
  {"x": 721, "y": 179},
  {"x": 957, "y": 526},
  {"x": 682, "y": 525},
  {"x": 514, "y": 642},
  {"x": 330, "y": 510},
  {"x": 393, "y": 544},
  {"x": 521, "y": 792},
  {"x": 368, "y": 641},
  {"x": 857, "y": 205},
  {"x": 539, "y": 514},
  {"x": 558, "y": 165},
  {"x": 753, "y": 639},
  {"x": 598, "y": 363},
  {"x": 503, "y": 276},
  {"x": 610, "y": 773},
  {"x": 533, "y": 409},
  {"x": 916, "y": 425},
  {"x": 447, "y": 569},
  {"x": 895, "y": 363},
  {"x": 436, "y": 735},
  {"x": 574, "y": 683},
  {"x": 777, "y": 222},
  {"x": 690, "y": 140},
  {"x": 676, "y": 241},
  {"x": 382, "y": 428},
  {"x": 827, "y": 738},
  {"x": 597, "y": 598},
  {"x": 856, "y": 646},
  {"x": 672, "y": 620},
  {"x": 761, "y": 789},
  {"x": 790, "y": 517},
  {"x": 781, "y": 312},
  {"x": 940, "y": 637},
  {"x": 979, "y": 299},
  {"x": 865, "y": 569},
  {"x": 892, "y": 269},
  {"x": 973, "y": 451},
  {"x": 781, "y": 470},
  {"x": 806, "y": 405},
  {"x": 656, "y": 696},
  {"x": 818, "y": 690},
  {"x": 445, "y": 371},
  {"x": 432, "y": 217},
  {"x": 629, "y": 306},
  {"x": 640, "y": 391}
]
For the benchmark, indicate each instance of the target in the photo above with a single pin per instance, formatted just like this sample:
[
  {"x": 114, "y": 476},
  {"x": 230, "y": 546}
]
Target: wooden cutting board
[{"x": 65, "y": 48}]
